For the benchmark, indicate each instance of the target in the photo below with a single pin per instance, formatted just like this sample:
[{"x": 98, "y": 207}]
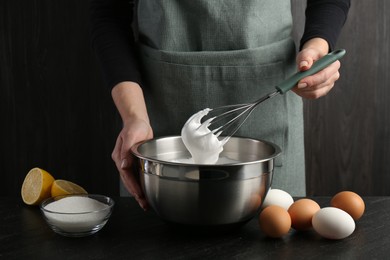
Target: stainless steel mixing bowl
[{"x": 206, "y": 195}]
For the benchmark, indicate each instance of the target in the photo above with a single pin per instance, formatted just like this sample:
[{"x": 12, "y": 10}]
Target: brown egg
[
  {"x": 350, "y": 202},
  {"x": 274, "y": 221},
  {"x": 301, "y": 213}
]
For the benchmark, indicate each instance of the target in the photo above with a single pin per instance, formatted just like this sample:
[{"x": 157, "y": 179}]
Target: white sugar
[
  {"x": 85, "y": 214},
  {"x": 75, "y": 205}
]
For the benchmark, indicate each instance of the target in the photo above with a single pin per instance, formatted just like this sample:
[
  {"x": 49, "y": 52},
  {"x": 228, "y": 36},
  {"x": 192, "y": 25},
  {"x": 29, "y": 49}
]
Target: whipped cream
[{"x": 200, "y": 141}]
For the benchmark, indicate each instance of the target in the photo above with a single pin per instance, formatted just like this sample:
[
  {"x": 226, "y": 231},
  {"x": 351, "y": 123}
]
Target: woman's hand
[
  {"x": 129, "y": 100},
  {"x": 133, "y": 132},
  {"x": 319, "y": 84}
]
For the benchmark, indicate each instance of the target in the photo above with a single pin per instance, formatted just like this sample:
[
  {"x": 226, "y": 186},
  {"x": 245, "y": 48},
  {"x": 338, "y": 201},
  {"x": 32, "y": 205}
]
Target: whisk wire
[
  {"x": 243, "y": 116},
  {"x": 234, "y": 116}
]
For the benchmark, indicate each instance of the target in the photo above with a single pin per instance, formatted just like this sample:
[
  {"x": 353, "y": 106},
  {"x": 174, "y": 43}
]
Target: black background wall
[{"x": 55, "y": 112}]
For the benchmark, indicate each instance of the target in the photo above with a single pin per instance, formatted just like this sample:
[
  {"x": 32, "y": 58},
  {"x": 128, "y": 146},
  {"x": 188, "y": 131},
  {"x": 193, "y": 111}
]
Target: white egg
[
  {"x": 279, "y": 198},
  {"x": 333, "y": 223}
]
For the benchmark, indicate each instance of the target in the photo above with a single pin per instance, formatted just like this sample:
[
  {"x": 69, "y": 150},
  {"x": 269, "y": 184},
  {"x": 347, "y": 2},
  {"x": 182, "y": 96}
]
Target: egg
[
  {"x": 301, "y": 213},
  {"x": 279, "y": 198},
  {"x": 274, "y": 221},
  {"x": 350, "y": 202},
  {"x": 333, "y": 223}
]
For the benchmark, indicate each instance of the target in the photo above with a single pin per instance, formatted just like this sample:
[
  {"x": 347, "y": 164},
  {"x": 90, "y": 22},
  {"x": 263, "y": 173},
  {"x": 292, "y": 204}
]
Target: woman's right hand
[
  {"x": 135, "y": 131},
  {"x": 129, "y": 100}
]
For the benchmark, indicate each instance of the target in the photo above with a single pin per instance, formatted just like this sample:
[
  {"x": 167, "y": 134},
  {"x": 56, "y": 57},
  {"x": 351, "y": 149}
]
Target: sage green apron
[{"x": 201, "y": 53}]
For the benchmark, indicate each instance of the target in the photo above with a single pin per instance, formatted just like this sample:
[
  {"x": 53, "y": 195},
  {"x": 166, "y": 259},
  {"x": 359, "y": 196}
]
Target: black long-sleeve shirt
[{"x": 114, "y": 43}]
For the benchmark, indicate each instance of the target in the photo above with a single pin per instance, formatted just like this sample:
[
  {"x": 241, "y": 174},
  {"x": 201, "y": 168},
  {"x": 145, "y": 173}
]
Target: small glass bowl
[{"x": 82, "y": 223}]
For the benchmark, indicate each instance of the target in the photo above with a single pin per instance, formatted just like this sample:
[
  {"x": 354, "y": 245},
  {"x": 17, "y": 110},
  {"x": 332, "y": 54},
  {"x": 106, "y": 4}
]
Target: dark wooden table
[{"x": 132, "y": 233}]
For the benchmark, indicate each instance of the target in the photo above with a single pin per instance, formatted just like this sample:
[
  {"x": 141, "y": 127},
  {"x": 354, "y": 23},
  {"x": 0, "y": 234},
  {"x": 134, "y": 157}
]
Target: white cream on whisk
[{"x": 203, "y": 145}]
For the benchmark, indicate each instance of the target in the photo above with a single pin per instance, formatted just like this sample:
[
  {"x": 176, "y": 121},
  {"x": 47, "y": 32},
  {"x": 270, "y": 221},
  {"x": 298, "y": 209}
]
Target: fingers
[
  {"x": 125, "y": 165},
  {"x": 306, "y": 58},
  {"x": 130, "y": 181},
  {"x": 305, "y": 63},
  {"x": 319, "y": 84}
]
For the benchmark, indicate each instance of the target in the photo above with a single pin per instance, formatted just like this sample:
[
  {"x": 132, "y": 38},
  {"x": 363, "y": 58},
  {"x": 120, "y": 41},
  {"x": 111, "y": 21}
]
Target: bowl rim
[
  {"x": 49, "y": 200},
  {"x": 136, "y": 153}
]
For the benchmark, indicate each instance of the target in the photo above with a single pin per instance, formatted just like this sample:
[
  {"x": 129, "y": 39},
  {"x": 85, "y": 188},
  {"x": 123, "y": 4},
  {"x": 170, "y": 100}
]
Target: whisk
[{"x": 234, "y": 116}]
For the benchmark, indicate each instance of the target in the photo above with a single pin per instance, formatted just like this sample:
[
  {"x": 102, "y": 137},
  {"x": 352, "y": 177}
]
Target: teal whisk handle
[{"x": 322, "y": 63}]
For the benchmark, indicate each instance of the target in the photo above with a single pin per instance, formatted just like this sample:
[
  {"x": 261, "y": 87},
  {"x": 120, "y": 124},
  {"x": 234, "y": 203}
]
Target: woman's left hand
[{"x": 319, "y": 84}]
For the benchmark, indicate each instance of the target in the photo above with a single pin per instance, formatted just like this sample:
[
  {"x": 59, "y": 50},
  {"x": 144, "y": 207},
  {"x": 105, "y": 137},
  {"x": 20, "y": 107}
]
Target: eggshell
[
  {"x": 274, "y": 221},
  {"x": 333, "y": 223},
  {"x": 301, "y": 213},
  {"x": 350, "y": 202},
  {"x": 279, "y": 198}
]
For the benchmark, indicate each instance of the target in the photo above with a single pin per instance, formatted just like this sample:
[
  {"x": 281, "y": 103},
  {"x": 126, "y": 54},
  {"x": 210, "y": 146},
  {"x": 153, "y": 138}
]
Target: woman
[{"x": 186, "y": 55}]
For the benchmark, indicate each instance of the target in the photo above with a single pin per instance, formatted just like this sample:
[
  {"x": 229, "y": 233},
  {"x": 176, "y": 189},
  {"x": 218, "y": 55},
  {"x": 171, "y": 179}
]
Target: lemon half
[
  {"x": 63, "y": 187},
  {"x": 36, "y": 186}
]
